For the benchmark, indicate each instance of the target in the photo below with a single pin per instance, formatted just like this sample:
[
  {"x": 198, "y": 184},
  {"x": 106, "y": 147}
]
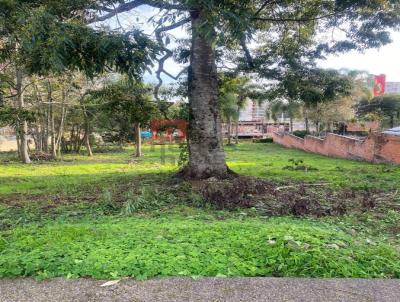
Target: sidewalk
[{"x": 205, "y": 289}]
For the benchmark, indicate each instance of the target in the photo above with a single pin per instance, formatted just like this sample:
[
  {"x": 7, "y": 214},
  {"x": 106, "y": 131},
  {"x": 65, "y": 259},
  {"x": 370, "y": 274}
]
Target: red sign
[
  {"x": 379, "y": 84},
  {"x": 170, "y": 126}
]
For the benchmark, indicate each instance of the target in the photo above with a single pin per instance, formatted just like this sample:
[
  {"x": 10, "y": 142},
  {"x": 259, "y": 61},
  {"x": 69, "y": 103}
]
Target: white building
[{"x": 252, "y": 111}]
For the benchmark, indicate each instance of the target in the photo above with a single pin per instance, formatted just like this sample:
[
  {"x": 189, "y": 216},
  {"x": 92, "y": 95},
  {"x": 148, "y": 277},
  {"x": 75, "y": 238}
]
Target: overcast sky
[{"x": 385, "y": 60}]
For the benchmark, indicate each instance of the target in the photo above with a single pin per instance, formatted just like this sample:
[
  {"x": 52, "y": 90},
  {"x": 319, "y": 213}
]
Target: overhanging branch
[
  {"x": 302, "y": 19},
  {"x": 128, "y": 6},
  {"x": 247, "y": 53},
  {"x": 168, "y": 54},
  {"x": 264, "y": 5}
]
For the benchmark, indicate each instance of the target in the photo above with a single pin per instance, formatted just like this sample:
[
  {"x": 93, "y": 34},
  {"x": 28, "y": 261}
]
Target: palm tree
[
  {"x": 292, "y": 109},
  {"x": 234, "y": 92},
  {"x": 229, "y": 111}
]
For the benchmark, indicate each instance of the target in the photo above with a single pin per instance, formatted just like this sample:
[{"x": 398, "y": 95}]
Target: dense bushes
[
  {"x": 300, "y": 133},
  {"x": 264, "y": 140}
]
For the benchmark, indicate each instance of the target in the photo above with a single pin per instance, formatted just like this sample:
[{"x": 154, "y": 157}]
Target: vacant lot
[{"x": 110, "y": 216}]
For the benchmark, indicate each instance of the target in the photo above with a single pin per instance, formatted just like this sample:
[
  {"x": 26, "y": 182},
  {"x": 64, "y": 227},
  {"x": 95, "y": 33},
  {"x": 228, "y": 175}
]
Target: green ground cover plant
[
  {"x": 191, "y": 246},
  {"x": 110, "y": 216}
]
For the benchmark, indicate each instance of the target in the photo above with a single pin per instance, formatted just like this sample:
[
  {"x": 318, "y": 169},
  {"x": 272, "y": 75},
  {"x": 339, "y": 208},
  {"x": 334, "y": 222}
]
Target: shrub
[
  {"x": 298, "y": 165},
  {"x": 183, "y": 154},
  {"x": 300, "y": 133},
  {"x": 264, "y": 140}
]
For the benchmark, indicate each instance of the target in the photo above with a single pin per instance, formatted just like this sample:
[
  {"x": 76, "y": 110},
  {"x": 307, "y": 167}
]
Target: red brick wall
[{"x": 375, "y": 148}]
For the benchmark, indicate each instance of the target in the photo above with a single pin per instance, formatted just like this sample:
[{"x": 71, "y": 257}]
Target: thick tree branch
[
  {"x": 168, "y": 54},
  {"x": 247, "y": 53},
  {"x": 264, "y": 5},
  {"x": 336, "y": 13},
  {"x": 177, "y": 76},
  {"x": 127, "y": 6},
  {"x": 105, "y": 9},
  {"x": 296, "y": 19}
]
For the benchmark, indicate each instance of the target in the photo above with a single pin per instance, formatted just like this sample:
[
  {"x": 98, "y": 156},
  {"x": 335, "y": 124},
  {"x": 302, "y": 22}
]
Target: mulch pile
[{"x": 299, "y": 199}]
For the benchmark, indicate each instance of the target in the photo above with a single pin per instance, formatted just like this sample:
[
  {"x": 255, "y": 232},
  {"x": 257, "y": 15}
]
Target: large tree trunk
[
  {"x": 138, "y": 140},
  {"x": 23, "y": 125},
  {"x": 206, "y": 153}
]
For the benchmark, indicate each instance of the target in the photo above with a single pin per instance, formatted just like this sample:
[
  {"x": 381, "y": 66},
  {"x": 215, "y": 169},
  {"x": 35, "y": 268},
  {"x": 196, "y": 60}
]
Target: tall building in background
[
  {"x": 392, "y": 87},
  {"x": 253, "y": 112}
]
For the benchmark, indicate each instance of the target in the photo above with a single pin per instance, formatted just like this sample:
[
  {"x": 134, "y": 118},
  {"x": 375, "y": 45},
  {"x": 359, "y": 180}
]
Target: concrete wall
[{"x": 375, "y": 148}]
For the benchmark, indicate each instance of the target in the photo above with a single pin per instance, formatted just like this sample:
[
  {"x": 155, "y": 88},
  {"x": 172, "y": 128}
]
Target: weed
[
  {"x": 298, "y": 165},
  {"x": 106, "y": 205},
  {"x": 183, "y": 154},
  {"x": 148, "y": 199}
]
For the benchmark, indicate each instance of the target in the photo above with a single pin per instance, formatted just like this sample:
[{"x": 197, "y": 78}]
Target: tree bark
[
  {"x": 229, "y": 131},
  {"x": 87, "y": 133},
  {"x": 317, "y": 124},
  {"x": 206, "y": 153},
  {"x": 51, "y": 118},
  {"x": 37, "y": 136},
  {"x": 240, "y": 104},
  {"x": 17, "y": 137},
  {"x": 237, "y": 132},
  {"x": 23, "y": 125},
  {"x": 307, "y": 124},
  {"x": 87, "y": 143},
  {"x": 138, "y": 140},
  {"x": 291, "y": 124},
  {"x": 61, "y": 126},
  {"x": 78, "y": 140}
]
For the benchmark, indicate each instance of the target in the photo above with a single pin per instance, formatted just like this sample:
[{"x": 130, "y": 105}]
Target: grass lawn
[{"x": 110, "y": 217}]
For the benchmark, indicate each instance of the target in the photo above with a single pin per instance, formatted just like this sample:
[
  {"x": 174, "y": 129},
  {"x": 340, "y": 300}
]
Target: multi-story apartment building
[{"x": 392, "y": 87}]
